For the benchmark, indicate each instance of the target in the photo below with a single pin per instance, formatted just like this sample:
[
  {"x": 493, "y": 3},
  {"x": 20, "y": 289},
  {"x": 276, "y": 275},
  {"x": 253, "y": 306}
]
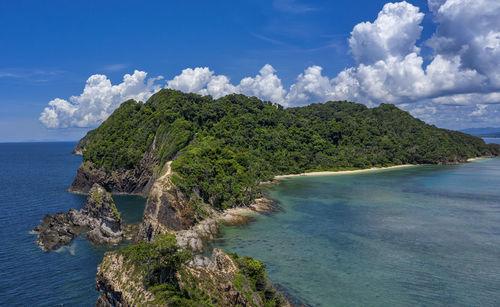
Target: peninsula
[{"x": 195, "y": 157}]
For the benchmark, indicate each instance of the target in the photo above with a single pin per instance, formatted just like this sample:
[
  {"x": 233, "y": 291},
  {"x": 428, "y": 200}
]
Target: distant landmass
[{"x": 487, "y": 132}]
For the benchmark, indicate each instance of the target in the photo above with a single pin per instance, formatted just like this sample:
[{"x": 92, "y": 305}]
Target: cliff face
[
  {"x": 217, "y": 281},
  {"x": 166, "y": 208},
  {"x": 131, "y": 181},
  {"x": 99, "y": 218}
]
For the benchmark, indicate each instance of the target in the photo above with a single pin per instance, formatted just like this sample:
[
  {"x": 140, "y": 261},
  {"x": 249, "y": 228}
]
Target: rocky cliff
[
  {"x": 138, "y": 180},
  {"x": 99, "y": 219},
  {"x": 221, "y": 280},
  {"x": 166, "y": 208}
]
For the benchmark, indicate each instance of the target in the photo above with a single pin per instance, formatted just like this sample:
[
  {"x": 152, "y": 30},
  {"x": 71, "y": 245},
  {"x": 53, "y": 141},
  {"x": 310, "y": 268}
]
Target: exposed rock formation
[
  {"x": 99, "y": 216},
  {"x": 137, "y": 181},
  {"x": 166, "y": 208},
  {"x": 194, "y": 238},
  {"x": 55, "y": 231},
  {"x": 218, "y": 278}
]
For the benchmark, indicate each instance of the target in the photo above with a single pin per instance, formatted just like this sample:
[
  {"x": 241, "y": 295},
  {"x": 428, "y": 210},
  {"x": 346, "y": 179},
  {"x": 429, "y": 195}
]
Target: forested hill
[{"x": 223, "y": 148}]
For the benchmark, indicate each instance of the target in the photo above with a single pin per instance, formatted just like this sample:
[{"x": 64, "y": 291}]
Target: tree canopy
[{"x": 221, "y": 149}]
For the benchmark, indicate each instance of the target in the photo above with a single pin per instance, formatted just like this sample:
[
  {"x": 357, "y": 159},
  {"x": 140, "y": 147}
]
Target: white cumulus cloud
[
  {"x": 98, "y": 100},
  {"x": 462, "y": 77},
  {"x": 266, "y": 84},
  {"x": 393, "y": 33},
  {"x": 311, "y": 86}
]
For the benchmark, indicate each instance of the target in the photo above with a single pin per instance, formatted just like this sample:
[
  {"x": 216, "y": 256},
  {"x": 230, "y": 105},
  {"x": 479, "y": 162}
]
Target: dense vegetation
[
  {"x": 160, "y": 267},
  {"x": 223, "y": 148},
  {"x": 157, "y": 264}
]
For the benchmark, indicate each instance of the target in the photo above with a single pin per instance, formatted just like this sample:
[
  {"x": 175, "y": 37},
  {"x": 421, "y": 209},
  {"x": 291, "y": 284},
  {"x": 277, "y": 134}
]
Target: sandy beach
[
  {"x": 324, "y": 173},
  {"x": 475, "y": 159}
]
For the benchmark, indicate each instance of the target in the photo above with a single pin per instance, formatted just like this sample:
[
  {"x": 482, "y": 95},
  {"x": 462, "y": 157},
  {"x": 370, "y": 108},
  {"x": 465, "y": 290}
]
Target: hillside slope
[
  {"x": 221, "y": 149},
  {"x": 193, "y": 157}
]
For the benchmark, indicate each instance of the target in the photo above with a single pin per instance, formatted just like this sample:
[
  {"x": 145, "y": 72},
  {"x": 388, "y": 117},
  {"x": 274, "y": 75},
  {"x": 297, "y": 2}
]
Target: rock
[
  {"x": 102, "y": 217},
  {"x": 194, "y": 238},
  {"x": 55, "y": 231},
  {"x": 218, "y": 280},
  {"x": 166, "y": 208},
  {"x": 119, "y": 285},
  {"x": 99, "y": 216},
  {"x": 137, "y": 181}
]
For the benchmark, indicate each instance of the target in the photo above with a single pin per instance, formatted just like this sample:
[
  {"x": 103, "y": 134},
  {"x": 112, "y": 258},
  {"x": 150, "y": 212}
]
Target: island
[{"x": 199, "y": 160}]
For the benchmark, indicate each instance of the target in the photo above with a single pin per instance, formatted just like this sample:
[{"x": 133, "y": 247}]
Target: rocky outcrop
[
  {"x": 55, "y": 231},
  {"x": 195, "y": 237},
  {"x": 227, "y": 284},
  {"x": 218, "y": 279},
  {"x": 99, "y": 217},
  {"x": 166, "y": 208},
  {"x": 137, "y": 181},
  {"x": 119, "y": 284}
]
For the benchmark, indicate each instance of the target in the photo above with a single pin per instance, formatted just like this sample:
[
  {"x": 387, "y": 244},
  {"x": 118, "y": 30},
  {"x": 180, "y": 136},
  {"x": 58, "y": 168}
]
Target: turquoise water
[
  {"x": 418, "y": 236},
  {"x": 406, "y": 237},
  {"x": 33, "y": 180}
]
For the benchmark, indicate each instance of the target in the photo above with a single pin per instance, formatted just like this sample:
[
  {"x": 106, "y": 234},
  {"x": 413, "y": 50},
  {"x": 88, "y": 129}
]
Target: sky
[{"x": 66, "y": 65}]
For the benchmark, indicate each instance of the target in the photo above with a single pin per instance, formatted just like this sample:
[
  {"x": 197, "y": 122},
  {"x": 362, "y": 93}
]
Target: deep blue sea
[
  {"x": 33, "y": 181},
  {"x": 406, "y": 237}
]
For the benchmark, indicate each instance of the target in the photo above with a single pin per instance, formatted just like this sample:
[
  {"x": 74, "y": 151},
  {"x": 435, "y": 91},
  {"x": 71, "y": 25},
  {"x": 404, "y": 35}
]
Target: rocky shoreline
[
  {"x": 99, "y": 219},
  {"x": 167, "y": 211},
  {"x": 195, "y": 238}
]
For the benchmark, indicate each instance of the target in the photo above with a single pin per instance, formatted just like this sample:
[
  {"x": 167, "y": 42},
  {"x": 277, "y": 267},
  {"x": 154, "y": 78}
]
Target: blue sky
[{"x": 51, "y": 48}]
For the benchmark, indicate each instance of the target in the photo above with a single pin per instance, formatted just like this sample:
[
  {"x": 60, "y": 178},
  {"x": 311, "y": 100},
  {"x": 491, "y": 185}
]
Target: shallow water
[
  {"x": 33, "y": 180},
  {"x": 416, "y": 236}
]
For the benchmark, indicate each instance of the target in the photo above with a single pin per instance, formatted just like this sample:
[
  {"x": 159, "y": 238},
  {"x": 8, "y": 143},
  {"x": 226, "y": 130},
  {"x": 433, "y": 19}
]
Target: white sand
[{"x": 343, "y": 172}]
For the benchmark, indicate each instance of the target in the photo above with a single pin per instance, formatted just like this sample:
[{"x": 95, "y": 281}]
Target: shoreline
[
  {"x": 356, "y": 171},
  {"x": 477, "y": 158},
  {"x": 365, "y": 170}
]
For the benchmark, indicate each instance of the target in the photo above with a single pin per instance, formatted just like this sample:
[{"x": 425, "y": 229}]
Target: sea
[
  {"x": 416, "y": 236},
  {"x": 33, "y": 182}
]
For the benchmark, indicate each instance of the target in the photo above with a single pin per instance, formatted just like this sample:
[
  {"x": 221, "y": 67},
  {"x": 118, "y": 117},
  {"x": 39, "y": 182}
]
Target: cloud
[
  {"x": 390, "y": 68},
  {"x": 311, "y": 86},
  {"x": 460, "y": 83},
  {"x": 98, "y": 100},
  {"x": 470, "y": 30},
  {"x": 265, "y": 85},
  {"x": 481, "y": 110},
  {"x": 191, "y": 80},
  {"x": 35, "y": 75},
  {"x": 393, "y": 33}
]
